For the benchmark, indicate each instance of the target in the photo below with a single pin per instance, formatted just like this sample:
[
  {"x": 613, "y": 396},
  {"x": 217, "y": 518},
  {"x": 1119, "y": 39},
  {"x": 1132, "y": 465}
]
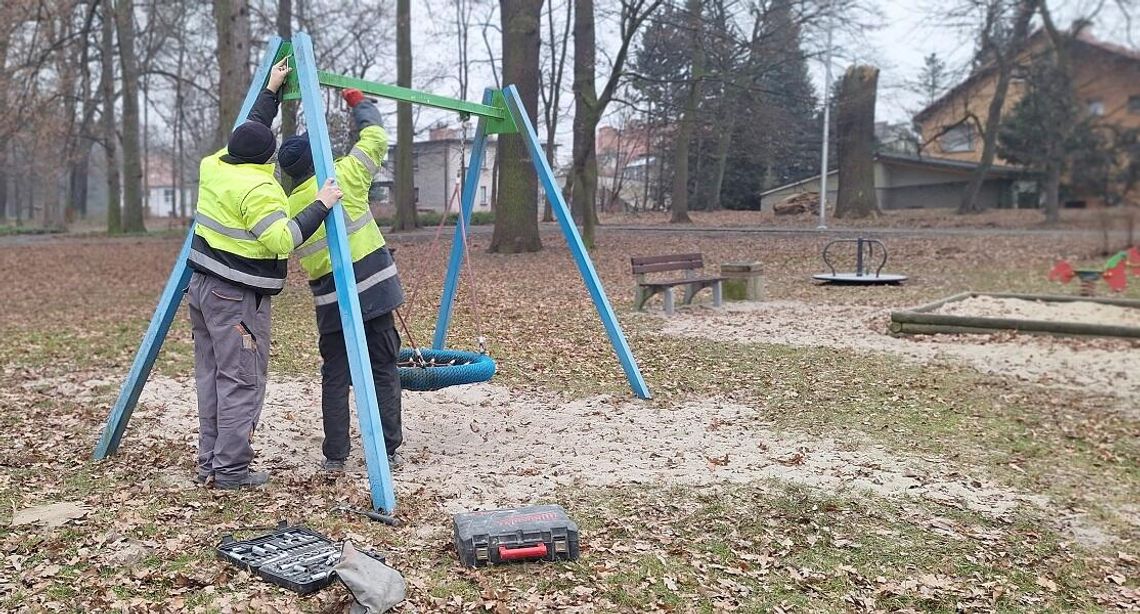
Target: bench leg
[
  {"x": 718, "y": 295},
  {"x": 639, "y": 298},
  {"x": 669, "y": 301}
]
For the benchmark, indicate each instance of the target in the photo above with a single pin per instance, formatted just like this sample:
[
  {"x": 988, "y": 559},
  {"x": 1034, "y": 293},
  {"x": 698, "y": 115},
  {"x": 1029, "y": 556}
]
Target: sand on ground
[{"x": 1107, "y": 367}]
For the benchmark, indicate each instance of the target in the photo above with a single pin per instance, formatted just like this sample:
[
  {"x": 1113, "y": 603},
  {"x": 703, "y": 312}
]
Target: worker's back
[{"x": 237, "y": 204}]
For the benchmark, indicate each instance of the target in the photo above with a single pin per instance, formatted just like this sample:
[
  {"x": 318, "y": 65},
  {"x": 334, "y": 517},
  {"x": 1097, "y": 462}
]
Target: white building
[
  {"x": 438, "y": 164},
  {"x": 159, "y": 191}
]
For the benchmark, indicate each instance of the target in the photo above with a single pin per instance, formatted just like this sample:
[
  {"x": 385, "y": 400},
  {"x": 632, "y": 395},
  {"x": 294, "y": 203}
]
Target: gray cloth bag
[{"x": 375, "y": 586}]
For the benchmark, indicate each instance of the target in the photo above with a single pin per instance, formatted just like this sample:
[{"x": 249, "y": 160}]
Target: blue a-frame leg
[
  {"x": 565, "y": 221},
  {"x": 367, "y": 408},
  {"x": 170, "y": 300}
]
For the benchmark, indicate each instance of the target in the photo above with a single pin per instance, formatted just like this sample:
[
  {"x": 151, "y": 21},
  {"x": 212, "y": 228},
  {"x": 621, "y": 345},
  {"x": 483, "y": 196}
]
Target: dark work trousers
[
  {"x": 231, "y": 356},
  {"x": 383, "y": 351}
]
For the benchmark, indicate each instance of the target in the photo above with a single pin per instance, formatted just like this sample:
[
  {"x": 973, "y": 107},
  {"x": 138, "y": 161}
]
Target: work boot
[
  {"x": 253, "y": 479},
  {"x": 395, "y": 460},
  {"x": 334, "y": 466},
  {"x": 204, "y": 479}
]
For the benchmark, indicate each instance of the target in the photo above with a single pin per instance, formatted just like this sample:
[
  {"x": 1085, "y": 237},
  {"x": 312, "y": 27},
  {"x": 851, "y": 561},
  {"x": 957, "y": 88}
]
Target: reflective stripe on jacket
[
  {"x": 243, "y": 231},
  {"x": 378, "y": 283}
]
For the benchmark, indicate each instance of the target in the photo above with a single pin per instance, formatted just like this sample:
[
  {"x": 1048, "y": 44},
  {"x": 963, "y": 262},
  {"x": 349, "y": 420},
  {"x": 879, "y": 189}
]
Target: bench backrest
[{"x": 674, "y": 262}]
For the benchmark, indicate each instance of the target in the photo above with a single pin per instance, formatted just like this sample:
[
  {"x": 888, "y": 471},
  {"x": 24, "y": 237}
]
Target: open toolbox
[
  {"x": 535, "y": 533},
  {"x": 295, "y": 558}
]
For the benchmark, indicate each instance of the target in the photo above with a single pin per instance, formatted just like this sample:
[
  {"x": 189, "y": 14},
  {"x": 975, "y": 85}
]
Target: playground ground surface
[{"x": 794, "y": 456}]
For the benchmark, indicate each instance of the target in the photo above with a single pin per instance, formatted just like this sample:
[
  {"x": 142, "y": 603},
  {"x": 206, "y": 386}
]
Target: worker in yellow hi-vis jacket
[
  {"x": 377, "y": 282},
  {"x": 243, "y": 235}
]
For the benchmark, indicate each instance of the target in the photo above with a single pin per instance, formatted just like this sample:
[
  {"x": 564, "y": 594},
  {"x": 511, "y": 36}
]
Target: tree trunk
[
  {"x": 1053, "y": 194},
  {"x": 110, "y": 132},
  {"x": 584, "y": 167},
  {"x": 516, "y": 219},
  {"x": 3, "y": 183},
  {"x": 855, "y": 129},
  {"x": 969, "y": 202},
  {"x": 1004, "y": 59},
  {"x": 77, "y": 181},
  {"x": 4, "y": 158},
  {"x": 688, "y": 119},
  {"x": 723, "y": 143},
  {"x": 285, "y": 31},
  {"x": 1064, "y": 67},
  {"x": 231, "y": 18},
  {"x": 132, "y": 161},
  {"x": 495, "y": 177},
  {"x": 405, "y": 168}
]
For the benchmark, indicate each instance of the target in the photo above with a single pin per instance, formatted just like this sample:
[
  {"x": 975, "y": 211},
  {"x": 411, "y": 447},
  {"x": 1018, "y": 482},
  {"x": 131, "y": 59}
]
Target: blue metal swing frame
[{"x": 494, "y": 120}]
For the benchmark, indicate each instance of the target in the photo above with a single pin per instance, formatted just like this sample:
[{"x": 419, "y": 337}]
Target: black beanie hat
[
  {"x": 252, "y": 142},
  {"x": 296, "y": 157}
]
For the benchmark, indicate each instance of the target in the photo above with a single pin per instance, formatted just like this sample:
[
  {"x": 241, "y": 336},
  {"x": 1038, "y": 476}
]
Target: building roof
[
  {"x": 1084, "y": 37},
  {"x": 896, "y": 159},
  {"x": 1005, "y": 170}
]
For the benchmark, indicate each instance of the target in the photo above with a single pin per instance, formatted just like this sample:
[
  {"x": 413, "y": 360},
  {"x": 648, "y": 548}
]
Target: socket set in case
[{"x": 295, "y": 558}]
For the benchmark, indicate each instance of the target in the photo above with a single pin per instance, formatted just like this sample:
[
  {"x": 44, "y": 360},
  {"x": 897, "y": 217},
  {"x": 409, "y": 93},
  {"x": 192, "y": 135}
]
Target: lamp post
[{"x": 826, "y": 118}]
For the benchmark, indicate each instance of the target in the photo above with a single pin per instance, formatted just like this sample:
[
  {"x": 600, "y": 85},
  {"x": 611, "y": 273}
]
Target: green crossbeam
[{"x": 498, "y": 118}]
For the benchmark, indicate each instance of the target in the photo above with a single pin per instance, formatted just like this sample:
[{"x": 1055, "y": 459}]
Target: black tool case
[
  {"x": 295, "y": 558},
  {"x": 535, "y": 533}
]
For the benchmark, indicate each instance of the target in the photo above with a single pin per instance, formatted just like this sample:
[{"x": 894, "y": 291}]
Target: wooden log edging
[{"x": 920, "y": 320}]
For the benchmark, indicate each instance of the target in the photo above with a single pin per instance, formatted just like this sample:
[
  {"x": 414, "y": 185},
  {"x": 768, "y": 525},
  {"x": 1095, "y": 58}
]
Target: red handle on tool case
[{"x": 536, "y": 551}]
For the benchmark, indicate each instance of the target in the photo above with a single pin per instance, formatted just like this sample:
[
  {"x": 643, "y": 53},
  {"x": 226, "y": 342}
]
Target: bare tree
[
  {"x": 285, "y": 31},
  {"x": 589, "y": 106},
  {"x": 688, "y": 118},
  {"x": 493, "y": 61},
  {"x": 231, "y": 19},
  {"x": 132, "y": 160},
  {"x": 999, "y": 43},
  {"x": 110, "y": 131},
  {"x": 405, "y": 175},
  {"x": 550, "y": 88},
  {"x": 516, "y": 216}
]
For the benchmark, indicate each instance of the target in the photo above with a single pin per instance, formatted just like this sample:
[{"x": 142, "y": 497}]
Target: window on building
[
  {"x": 168, "y": 196},
  {"x": 1096, "y": 107},
  {"x": 415, "y": 162},
  {"x": 958, "y": 139},
  {"x": 1134, "y": 104},
  {"x": 483, "y": 195},
  {"x": 416, "y": 194}
]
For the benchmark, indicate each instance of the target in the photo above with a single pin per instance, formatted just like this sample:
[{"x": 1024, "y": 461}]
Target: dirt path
[
  {"x": 1108, "y": 367},
  {"x": 483, "y": 446}
]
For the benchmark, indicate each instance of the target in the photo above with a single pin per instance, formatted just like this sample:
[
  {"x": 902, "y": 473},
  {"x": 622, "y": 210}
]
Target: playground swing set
[{"x": 501, "y": 112}]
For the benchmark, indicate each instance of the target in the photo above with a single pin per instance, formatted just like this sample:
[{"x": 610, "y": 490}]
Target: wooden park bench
[{"x": 691, "y": 264}]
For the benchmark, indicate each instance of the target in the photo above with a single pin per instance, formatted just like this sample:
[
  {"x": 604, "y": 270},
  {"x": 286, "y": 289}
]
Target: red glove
[{"x": 352, "y": 96}]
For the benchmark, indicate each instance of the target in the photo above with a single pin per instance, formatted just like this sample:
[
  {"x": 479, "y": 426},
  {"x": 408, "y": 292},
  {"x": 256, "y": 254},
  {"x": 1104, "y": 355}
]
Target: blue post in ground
[
  {"x": 574, "y": 240},
  {"x": 367, "y": 408},
  {"x": 467, "y": 200},
  {"x": 169, "y": 301}
]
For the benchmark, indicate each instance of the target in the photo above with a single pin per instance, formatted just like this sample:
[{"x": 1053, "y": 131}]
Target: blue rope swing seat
[{"x": 442, "y": 368}]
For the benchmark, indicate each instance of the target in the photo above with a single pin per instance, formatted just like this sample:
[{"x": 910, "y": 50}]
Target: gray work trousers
[{"x": 231, "y": 358}]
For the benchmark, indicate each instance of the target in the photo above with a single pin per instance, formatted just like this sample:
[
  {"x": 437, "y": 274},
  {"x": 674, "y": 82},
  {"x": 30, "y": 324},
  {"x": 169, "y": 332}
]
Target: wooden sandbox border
[{"x": 922, "y": 320}]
